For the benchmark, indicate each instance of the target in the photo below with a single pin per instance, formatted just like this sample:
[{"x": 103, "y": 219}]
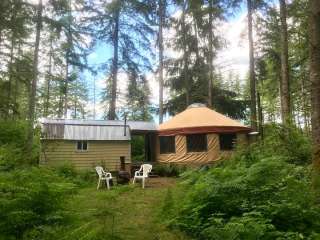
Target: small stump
[{"x": 123, "y": 177}]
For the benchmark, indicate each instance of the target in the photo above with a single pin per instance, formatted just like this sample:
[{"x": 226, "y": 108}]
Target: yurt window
[
  {"x": 227, "y": 141},
  {"x": 167, "y": 144},
  {"x": 197, "y": 143}
]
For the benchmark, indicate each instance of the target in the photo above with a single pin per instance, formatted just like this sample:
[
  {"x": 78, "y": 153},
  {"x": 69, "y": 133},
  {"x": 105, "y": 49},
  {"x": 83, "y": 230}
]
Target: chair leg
[
  {"x": 98, "y": 184},
  {"x": 143, "y": 182},
  {"x": 108, "y": 185},
  {"x": 134, "y": 180}
]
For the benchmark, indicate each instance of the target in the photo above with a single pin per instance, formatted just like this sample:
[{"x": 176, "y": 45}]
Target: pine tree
[
  {"x": 33, "y": 87},
  {"x": 315, "y": 78},
  {"x": 285, "y": 78},
  {"x": 116, "y": 23}
]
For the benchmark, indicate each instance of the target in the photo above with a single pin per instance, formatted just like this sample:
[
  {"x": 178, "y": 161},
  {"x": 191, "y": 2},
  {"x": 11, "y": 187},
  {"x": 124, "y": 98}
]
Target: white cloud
[{"x": 235, "y": 56}]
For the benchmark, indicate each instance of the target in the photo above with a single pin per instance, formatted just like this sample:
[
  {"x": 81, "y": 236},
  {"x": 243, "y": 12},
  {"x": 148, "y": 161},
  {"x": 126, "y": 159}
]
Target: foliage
[
  {"x": 79, "y": 177},
  {"x": 169, "y": 170},
  {"x": 31, "y": 200},
  {"x": 12, "y": 142},
  {"x": 291, "y": 142},
  {"x": 258, "y": 194},
  {"x": 137, "y": 146}
]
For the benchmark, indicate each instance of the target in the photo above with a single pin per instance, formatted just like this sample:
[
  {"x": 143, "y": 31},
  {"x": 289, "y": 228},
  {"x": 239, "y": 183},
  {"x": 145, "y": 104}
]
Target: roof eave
[{"x": 205, "y": 129}]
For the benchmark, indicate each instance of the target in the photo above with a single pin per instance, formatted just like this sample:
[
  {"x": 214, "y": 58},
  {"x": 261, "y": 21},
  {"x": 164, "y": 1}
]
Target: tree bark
[
  {"x": 185, "y": 54},
  {"x": 69, "y": 45},
  {"x": 314, "y": 52},
  {"x": 285, "y": 75},
  {"x": 9, "y": 96},
  {"x": 35, "y": 73},
  {"x": 48, "y": 82},
  {"x": 253, "y": 108},
  {"x": 112, "y": 110},
  {"x": 210, "y": 55},
  {"x": 160, "y": 40},
  {"x": 66, "y": 83}
]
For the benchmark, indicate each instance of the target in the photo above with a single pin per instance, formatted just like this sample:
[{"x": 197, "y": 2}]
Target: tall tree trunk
[
  {"x": 314, "y": 50},
  {"x": 12, "y": 46},
  {"x": 195, "y": 28},
  {"x": 112, "y": 110},
  {"x": 185, "y": 55},
  {"x": 9, "y": 94},
  {"x": 69, "y": 45},
  {"x": 285, "y": 77},
  {"x": 35, "y": 73},
  {"x": 160, "y": 40},
  {"x": 48, "y": 80},
  {"x": 16, "y": 85},
  {"x": 66, "y": 83},
  {"x": 210, "y": 55},
  {"x": 253, "y": 105}
]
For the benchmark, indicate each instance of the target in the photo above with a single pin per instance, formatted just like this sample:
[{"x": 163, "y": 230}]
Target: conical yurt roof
[{"x": 198, "y": 118}]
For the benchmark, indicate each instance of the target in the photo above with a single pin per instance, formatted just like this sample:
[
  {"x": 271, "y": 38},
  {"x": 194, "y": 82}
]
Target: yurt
[{"x": 198, "y": 135}]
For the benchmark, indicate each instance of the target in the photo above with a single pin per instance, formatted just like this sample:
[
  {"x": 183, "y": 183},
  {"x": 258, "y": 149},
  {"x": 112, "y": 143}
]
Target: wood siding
[{"x": 104, "y": 153}]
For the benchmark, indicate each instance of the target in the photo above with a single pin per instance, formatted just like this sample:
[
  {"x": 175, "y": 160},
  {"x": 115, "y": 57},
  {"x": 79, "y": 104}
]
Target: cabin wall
[
  {"x": 104, "y": 153},
  {"x": 181, "y": 156}
]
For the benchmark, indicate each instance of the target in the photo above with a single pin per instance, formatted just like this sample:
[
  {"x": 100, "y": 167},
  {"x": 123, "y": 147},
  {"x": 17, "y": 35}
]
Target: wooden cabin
[
  {"x": 197, "y": 136},
  {"x": 88, "y": 143}
]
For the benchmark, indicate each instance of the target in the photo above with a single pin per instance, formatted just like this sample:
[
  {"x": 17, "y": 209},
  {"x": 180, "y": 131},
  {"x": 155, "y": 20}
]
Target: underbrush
[
  {"x": 12, "y": 145},
  {"x": 169, "y": 170},
  {"x": 263, "y": 192},
  {"x": 79, "y": 177},
  {"x": 32, "y": 203}
]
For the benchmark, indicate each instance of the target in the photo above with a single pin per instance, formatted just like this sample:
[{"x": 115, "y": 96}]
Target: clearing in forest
[{"x": 125, "y": 212}]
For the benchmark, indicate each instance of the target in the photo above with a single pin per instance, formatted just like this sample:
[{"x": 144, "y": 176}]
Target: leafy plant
[
  {"x": 31, "y": 200},
  {"x": 168, "y": 170},
  {"x": 258, "y": 194}
]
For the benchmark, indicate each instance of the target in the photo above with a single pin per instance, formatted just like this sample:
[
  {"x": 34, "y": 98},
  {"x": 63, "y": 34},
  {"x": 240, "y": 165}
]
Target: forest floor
[{"x": 125, "y": 212}]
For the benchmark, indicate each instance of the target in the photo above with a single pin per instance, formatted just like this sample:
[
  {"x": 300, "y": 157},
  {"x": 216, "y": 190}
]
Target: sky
[{"x": 233, "y": 57}]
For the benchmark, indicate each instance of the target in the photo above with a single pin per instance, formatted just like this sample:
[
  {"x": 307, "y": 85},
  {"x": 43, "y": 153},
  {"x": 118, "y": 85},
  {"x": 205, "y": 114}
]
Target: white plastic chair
[
  {"x": 143, "y": 173},
  {"x": 103, "y": 176}
]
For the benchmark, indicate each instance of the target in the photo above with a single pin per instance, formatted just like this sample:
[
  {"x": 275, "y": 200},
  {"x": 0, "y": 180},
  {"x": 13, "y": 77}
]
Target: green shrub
[
  {"x": 12, "y": 144},
  {"x": 289, "y": 142},
  {"x": 137, "y": 146},
  {"x": 66, "y": 170},
  {"x": 31, "y": 200},
  {"x": 78, "y": 177},
  {"x": 263, "y": 192},
  {"x": 168, "y": 170}
]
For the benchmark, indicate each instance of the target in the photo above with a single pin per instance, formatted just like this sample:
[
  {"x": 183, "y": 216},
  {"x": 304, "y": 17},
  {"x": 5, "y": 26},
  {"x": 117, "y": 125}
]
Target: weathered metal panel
[
  {"x": 142, "y": 126},
  {"x": 53, "y": 131},
  {"x": 79, "y": 132},
  {"x": 134, "y": 125}
]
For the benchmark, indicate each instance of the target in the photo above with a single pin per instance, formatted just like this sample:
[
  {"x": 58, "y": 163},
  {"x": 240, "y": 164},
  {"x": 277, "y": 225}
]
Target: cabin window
[
  {"x": 167, "y": 144},
  {"x": 227, "y": 141},
  {"x": 197, "y": 143},
  {"x": 82, "y": 145}
]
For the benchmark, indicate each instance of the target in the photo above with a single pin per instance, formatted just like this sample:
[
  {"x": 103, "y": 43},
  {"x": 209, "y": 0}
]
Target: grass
[{"x": 125, "y": 212}]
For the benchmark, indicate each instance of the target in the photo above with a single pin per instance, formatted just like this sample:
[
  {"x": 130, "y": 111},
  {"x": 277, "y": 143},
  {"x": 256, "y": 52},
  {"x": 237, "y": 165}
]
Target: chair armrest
[
  {"x": 108, "y": 175},
  {"x": 137, "y": 173}
]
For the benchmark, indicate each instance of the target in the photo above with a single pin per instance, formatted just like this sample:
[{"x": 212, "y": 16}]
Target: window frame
[
  {"x": 82, "y": 144},
  {"x": 174, "y": 145},
  {"x": 202, "y": 150},
  {"x": 234, "y": 142}
]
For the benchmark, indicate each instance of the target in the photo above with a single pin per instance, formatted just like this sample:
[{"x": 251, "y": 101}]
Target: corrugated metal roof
[
  {"x": 92, "y": 129},
  {"x": 134, "y": 125}
]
